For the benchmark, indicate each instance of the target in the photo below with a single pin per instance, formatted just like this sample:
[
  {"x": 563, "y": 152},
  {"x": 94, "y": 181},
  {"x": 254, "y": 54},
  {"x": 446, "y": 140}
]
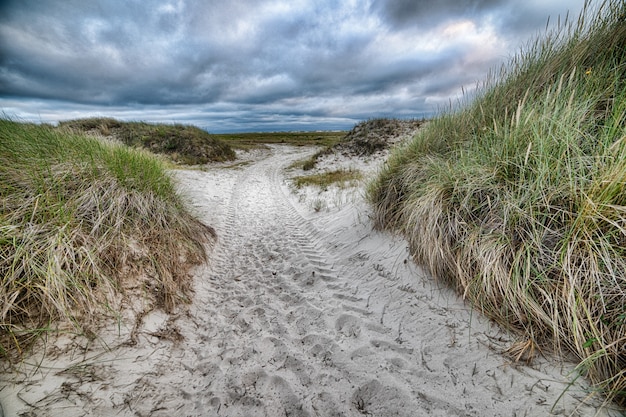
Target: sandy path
[{"x": 301, "y": 314}]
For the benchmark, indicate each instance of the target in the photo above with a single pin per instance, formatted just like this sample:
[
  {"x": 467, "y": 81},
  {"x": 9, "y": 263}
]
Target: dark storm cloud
[
  {"x": 430, "y": 13},
  {"x": 514, "y": 21},
  {"x": 252, "y": 61}
]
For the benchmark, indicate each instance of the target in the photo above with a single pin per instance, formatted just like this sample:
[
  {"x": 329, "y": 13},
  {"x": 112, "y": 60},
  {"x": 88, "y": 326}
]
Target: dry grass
[
  {"x": 518, "y": 200},
  {"x": 78, "y": 219}
]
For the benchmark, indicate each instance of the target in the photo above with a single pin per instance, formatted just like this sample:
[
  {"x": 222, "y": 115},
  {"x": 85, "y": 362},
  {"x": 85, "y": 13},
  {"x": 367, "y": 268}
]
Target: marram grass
[
  {"x": 79, "y": 218},
  {"x": 518, "y": 199}
]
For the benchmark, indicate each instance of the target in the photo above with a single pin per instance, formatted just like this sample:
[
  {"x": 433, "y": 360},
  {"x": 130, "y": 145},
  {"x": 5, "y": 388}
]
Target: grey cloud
[
  {"x": 524, "y": 22},
  {"x": 515, "y": 19},
  {"x": 247, "y": 61},
  {"x": 149, "y": 65},
  {"x": 428, "y": 13}
]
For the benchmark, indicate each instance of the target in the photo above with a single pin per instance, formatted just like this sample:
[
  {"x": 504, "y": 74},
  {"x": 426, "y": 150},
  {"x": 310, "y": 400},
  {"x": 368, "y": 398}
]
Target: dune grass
[
  {"x": 79, "y": 218},
  {"x": 183, "y": 144},
  {"x": 518, "y": 199}
]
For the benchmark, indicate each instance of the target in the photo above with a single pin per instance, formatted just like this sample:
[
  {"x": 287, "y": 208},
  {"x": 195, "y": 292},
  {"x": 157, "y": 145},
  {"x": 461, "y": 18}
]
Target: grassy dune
[
  {"x": 519, "y": 198},
  {"x": 79, "y": 218},
  {"x": 366, "y": 138},
  {"x": 183, "y": 144}
]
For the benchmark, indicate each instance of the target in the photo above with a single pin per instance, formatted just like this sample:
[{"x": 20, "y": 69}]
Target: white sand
[{"x": 302, "y": 313}]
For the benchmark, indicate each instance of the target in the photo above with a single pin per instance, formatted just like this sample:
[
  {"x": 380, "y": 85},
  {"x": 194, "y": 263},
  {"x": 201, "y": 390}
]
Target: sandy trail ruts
[{"x": 303, "y": 314}]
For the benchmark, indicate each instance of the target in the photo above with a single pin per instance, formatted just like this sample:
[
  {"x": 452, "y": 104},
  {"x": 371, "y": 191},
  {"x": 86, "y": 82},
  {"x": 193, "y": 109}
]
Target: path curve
[
  {"x": 304, "y": 314},
  {"x": 310, "y": 316}
]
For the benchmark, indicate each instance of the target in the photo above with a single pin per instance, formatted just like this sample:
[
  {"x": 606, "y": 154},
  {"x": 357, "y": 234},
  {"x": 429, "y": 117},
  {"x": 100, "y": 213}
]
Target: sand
[{"x": 304, "y": 310}]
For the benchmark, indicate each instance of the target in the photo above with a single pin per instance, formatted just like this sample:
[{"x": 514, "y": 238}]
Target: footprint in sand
[
  {"x": 376, "y": 399},
  {"x": 348, "y": 325},
  {"x": 286, "y": 402},
  {"x": 325, "y": 405},
  {"x": 321, "y": 348},
  {"x": 306, "y": 319}
]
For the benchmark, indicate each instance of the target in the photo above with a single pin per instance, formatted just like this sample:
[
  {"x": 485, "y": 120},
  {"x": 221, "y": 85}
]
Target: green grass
[
  {"x": 79, "y": 218},
  {"x": 183, "y": 144},
  {"x": 341, "y": 177},
  {"x": 518, "y": 199}
]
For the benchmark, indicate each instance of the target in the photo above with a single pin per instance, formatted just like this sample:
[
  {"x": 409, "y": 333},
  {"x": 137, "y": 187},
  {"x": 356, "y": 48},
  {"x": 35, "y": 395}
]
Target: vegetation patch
[
  {"x": 374, "y": 135},
  {"x": 367, "y": 138},
  {"x": 81, "y": 220},
  {"x": 341, "y": 178},
  {"x": 183, "y": 144},
  {"x": 519, "y": 199}
]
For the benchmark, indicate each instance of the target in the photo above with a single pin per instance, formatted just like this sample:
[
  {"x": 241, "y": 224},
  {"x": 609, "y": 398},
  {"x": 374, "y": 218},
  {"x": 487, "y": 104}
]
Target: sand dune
[{"x": 301, "y": 313}]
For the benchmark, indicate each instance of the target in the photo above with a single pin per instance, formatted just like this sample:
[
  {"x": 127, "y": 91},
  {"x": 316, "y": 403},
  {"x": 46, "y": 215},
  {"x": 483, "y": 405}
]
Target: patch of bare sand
[{"x": 301, "y": 313}]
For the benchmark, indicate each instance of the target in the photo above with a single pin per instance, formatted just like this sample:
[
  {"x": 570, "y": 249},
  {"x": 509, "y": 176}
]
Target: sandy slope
[{"x": 302, "y": 313}]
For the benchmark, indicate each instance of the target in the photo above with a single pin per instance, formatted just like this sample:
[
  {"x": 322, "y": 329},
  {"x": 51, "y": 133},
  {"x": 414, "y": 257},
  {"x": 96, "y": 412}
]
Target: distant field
[{"x": 254, "y": 139}]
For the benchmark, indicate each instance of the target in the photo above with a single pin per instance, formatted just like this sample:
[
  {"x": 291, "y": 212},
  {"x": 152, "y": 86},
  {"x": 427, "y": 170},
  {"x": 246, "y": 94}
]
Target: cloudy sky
[{"x": 255, "y": 65}]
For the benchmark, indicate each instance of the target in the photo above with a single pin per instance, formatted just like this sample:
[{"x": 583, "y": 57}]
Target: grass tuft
[
  {"x": 518, "y": 199},
  {"x": 81, "y": 220},
  {"x": 340, "y": 177}
]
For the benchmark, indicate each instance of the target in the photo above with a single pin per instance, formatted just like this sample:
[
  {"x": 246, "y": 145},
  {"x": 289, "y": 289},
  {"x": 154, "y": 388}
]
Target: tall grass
[
  {"x": 519, "y": 199},
  {"x": 78, "y": 219}
]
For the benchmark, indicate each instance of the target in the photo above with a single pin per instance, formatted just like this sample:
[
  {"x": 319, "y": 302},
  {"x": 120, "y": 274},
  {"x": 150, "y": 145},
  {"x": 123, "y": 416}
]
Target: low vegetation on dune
[
  {"x": 183, "y": 144},
  {"x": 518, "y": 199},
  {"x": 81, "y": 220},
  {"x": 371, "y": 136},
  {"x": 367, "y": 138}
]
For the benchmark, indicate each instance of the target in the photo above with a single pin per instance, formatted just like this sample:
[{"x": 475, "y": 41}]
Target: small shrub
[{"x": 318, "y": 205}]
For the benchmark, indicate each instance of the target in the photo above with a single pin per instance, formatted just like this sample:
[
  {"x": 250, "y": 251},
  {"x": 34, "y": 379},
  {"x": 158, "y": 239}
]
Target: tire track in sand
[
  {"x": 284, "y": 335},
  {"x": 292, "y": 320},
  {"x": 303, "y": 316}
]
